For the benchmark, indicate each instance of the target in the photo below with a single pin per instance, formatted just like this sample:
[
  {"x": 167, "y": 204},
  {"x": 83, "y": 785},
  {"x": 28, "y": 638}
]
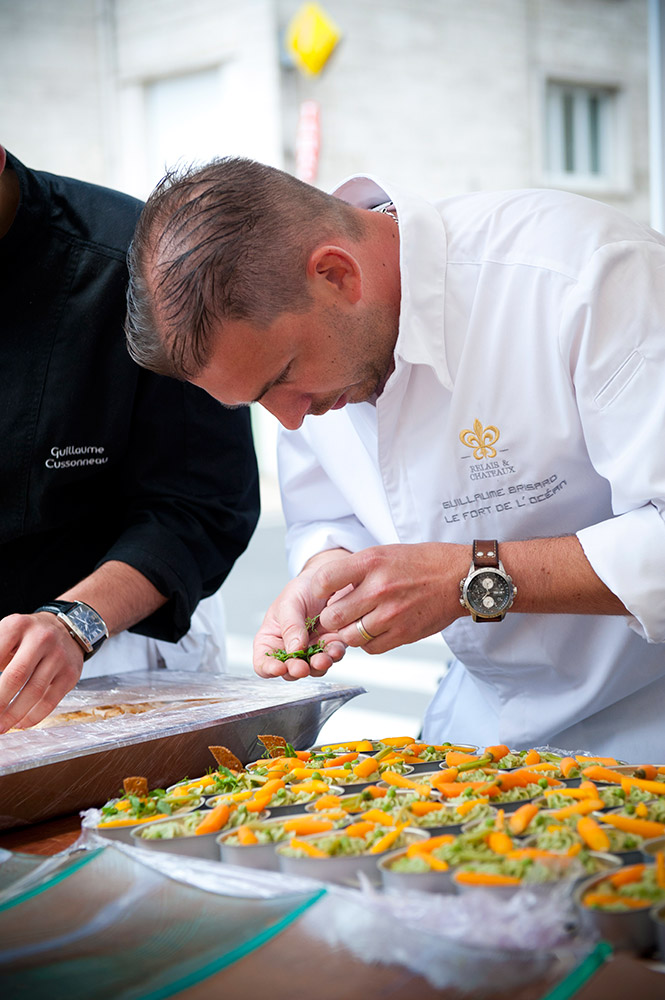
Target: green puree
[
  {"x": 646, "y": 889},
  {"x": 338, "y": 845},
  {"x": 185, "y": 826}
]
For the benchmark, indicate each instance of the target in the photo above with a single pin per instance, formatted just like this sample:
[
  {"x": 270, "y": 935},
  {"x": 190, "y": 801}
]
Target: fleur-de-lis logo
[{"x": 481, "y": 440}]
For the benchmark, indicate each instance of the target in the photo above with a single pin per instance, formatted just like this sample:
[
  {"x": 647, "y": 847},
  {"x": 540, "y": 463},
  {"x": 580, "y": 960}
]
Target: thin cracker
[
  {"x": 225, "y": 758},
  {"x": 275, "y": 745},
  {"x": 135, "y": 786}
]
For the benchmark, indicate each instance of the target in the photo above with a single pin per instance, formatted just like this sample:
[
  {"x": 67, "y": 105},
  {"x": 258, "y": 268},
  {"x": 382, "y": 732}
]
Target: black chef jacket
[{"x": 100, "y": 459}]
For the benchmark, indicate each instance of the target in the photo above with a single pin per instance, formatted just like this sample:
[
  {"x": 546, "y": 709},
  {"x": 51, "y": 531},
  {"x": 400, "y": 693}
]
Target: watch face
[
  {"x": 87, "y": 622},
  {"x": 489, "y": 592}
]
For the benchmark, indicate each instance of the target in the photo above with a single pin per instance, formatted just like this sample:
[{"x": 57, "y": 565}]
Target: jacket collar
[{"x": 423, "y": 257}]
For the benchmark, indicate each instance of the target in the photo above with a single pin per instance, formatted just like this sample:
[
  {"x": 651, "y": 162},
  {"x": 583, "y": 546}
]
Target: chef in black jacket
[{"x": 126, "y": 497}]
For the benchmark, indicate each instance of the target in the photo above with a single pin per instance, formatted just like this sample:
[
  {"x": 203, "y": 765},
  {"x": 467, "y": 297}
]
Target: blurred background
[{"x": 444, "y": 96}]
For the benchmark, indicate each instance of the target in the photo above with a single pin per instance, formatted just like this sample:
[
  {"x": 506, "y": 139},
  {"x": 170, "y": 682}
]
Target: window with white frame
[{"x": 581, "y": 131}]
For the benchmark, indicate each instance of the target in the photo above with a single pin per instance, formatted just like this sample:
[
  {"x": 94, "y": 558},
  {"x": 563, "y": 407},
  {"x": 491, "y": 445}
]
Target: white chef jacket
[{"x": 527, "y": 400}]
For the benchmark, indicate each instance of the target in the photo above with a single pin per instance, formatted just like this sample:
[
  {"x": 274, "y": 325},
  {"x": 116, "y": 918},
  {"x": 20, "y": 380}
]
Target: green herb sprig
[{"x": 301, "y": 654}]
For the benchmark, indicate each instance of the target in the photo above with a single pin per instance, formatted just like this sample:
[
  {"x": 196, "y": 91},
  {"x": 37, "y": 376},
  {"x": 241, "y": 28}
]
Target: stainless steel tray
[{"x": 52, "y": 772}]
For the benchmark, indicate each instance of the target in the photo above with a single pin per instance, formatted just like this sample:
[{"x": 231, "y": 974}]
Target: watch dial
[
  {"x": 489, "y": 593},
  {"x": 88, "y": 623}
]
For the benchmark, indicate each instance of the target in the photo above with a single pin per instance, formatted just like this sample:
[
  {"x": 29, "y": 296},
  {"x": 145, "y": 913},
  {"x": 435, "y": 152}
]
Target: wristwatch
[
  {"x": 82, "y": 622},
  {"x": 487, "y": 591}
]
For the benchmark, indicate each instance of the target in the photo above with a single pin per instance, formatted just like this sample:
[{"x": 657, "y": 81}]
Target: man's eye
[{"x": 284, "y": 377}]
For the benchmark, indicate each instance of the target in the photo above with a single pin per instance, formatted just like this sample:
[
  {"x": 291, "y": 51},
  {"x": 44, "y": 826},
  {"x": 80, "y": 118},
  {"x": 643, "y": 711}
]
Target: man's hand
[
  {"x": 402, "y": 593},
  {"x": 284, "y": 628},
  {"x": 40, "y": 663}
]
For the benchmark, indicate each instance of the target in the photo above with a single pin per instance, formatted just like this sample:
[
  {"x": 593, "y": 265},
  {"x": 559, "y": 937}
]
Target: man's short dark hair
[{"x": 226, "y": 241}]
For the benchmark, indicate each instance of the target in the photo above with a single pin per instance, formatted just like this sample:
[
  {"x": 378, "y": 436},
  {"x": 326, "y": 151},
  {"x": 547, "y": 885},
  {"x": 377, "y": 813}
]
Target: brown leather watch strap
[{"x": 485, "y": 553}]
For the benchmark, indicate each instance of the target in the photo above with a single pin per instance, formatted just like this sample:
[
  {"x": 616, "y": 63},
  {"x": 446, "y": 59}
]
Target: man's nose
[{"x": 289, "y": 408}]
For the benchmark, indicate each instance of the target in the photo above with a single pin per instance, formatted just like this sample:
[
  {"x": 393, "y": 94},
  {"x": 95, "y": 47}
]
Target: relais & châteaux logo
[{"x": 481, "y": 440}]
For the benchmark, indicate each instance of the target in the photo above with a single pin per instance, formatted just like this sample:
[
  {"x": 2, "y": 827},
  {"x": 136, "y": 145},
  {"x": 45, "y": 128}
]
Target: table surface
[{"x": 297, "y": 968}]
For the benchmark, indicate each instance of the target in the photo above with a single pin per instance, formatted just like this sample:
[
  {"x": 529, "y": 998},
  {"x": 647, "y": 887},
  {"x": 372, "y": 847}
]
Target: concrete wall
[
  {"x": 51, "y": 107},
  {"x": 448, "y": 94}
]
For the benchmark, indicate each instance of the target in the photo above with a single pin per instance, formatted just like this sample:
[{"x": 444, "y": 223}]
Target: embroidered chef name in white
[{"x": 72, "y": 456}]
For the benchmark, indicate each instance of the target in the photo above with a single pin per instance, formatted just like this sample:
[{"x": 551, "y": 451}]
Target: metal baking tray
[{"x": 55, "y": 771}]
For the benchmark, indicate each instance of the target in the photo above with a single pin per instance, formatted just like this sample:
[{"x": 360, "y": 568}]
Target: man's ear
[{"x": 339, "y": 268}]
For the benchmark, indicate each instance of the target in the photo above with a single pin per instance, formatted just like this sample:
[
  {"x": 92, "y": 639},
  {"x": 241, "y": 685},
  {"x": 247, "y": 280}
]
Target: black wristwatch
[
  {"x": 487, "y": 591},
  {"x": 82, "y": 622}
]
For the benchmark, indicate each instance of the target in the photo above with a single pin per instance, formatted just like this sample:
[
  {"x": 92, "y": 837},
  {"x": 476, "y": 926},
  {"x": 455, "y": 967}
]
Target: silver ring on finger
[{"x": 367, "y": 636}]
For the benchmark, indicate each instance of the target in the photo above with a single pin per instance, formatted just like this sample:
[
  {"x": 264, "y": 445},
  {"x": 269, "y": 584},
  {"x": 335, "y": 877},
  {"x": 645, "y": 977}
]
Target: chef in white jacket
[{"x": 473, "y": 397}]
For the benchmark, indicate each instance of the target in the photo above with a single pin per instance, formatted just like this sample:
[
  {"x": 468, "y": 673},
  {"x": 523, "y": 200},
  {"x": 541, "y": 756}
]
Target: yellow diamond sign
[{"x": 311, "y": 37}]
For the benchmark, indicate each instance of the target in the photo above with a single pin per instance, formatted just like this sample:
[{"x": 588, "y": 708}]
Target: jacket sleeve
[
  {"x": 191, "y": 498},
  {"x": 614, "y": 327}
]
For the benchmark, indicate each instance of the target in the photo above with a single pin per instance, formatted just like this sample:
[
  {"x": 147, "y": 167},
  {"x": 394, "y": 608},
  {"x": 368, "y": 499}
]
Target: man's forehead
[{"x": 245, "y": 362}]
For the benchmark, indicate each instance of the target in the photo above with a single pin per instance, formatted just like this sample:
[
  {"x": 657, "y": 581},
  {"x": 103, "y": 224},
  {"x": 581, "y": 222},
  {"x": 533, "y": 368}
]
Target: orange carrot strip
[
  {"x": 592, "y": 834},
  {"x": 333, "y": 772},
  {"x": 499, "y": 842},
  {"x": 496, "y": 752},
  {"x": 446, "y": 774},
  {"x": 128, "y": 821},
  {"x": 574, "y": 849},
  {"x": 521, "y": 778},
  {"x": 485, "y": 878},
  {"x": 408, "y": 758},
  {"x": 654, "y": 787},
  {"x": 258, "y": 802},
  {"x": 598, "y": 773},
  {"x": 627, "y": 875},
  {"x": 642, "y": 827},
  {"x": 309, "y": 849},
  {"x": 641, "y": 810},
  {"x": 397, "y": 741},
  {"x": 580, "y": 808},
  {"x": 378, "y": 816},
  {"x": 455, "y": 757},
  {"x": 465, "y": 807},
  {"x": 312, "y": 785},
  {"x": 246, "y": 835},
  {"x": 365, "y": 767},
  {"x": 302, "y": 825},
  {"x": 344, "y": 758},
  {"x": 422, "y": 808},
  {"x": 437, "y": 864},
  {"x": 608, "y": 761},
  {"x": 431, "y": 844},
  {"x": 327, "y": 802},
  {"x": 660, "y": 869},
  {"x": 385, "y": 842},
  {"x": 399, "y": 781},
  {"x": 544, "y": 765},
  {"x": 520, "y": 819},
  {"x": 532, "y": 757},
  {"x": 451, "y": 789},
  {"x": 359, "y": 829},
  {"x": 215, "y": 820},
  {"x": 567, "y": 764}
]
